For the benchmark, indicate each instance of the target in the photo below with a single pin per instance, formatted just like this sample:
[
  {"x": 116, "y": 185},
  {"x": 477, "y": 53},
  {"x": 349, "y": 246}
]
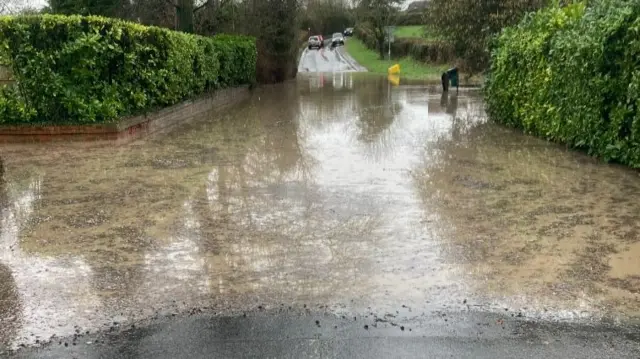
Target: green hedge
[
  {"x": 572, "y": 75},
  {"x": 237, "y": 56},
  {"x": 426, "y": 50},
  {"x": 75, "y": 70}
]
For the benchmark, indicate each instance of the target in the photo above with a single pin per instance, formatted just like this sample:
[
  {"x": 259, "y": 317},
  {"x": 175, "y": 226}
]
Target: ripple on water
[{"x": 351, "y": 195}]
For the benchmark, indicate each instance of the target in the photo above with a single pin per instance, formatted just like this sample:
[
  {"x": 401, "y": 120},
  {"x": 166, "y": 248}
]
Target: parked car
[
  {"x": 315, "y": 41},
  {"x": 337, "y": 39},
  {"x": 348, "y": 31}
]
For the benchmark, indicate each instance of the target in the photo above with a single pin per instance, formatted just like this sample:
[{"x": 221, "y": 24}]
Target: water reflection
[
  {"x": 449, "y": 103},
  {"x": 342, "y": 191},
  {"x": 10, "y": 307},
  {"x": 536, "y": 226},
  {"x": 41, "y": 284}
]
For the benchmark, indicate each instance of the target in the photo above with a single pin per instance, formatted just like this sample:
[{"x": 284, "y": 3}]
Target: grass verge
[
  {"x": 416, "y": 31},
  {"x": 409, "y": 31},
  {"x": 409, "y": 67}
]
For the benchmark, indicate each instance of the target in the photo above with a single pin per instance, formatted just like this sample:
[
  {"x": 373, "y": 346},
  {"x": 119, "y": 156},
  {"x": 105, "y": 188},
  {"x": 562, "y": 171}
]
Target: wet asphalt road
[
  {"x": 339, "y": 192},
  {"x": 284, "y": 334},
  {"x": 329, "y": 60}
]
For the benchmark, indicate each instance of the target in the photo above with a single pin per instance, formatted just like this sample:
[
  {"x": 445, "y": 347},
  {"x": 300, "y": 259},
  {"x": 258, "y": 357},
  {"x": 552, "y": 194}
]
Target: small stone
[
  {"x": 366, "y": 327},
  {"x": 402, "y": 328}
]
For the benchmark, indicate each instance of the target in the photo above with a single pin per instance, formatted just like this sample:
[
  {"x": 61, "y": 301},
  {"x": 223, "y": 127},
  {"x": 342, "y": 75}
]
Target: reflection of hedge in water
[
  {"x": 89, "y": 69},
  {"x": 572, "y": 75}
]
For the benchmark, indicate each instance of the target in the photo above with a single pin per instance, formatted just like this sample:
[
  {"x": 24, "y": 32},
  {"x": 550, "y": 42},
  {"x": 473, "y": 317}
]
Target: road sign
[
  {"x": 389, "y": 38},
  {"x": 388, "y": 33}
]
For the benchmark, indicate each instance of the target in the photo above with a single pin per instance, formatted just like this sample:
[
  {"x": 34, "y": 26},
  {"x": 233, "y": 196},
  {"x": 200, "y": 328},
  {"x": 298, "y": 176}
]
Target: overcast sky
[
  {"x": 42, "y": 3},
  {"x": 38, "y": 3}
]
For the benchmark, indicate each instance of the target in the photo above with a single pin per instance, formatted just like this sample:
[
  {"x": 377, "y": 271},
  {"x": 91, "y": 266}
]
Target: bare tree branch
[
  {"x": 198, "y": 8},
  {"x": 10, "y": 7}
]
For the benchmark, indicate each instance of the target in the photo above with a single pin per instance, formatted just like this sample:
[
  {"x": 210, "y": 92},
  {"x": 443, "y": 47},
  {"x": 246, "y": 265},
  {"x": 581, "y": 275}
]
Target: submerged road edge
[{"x": 295, "y": 334}]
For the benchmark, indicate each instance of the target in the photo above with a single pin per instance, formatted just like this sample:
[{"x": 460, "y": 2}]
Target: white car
[
  {"x": 315, "y": 41},
  {"x": 337, "y": 39}
]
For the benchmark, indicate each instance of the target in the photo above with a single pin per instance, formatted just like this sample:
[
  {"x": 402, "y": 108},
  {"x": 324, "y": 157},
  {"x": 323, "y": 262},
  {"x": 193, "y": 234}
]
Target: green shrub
[
  {"x": 426, "y": 50},
  {"x": 572, "y": 75},
  {"x": 434, "y": 51},
  {"x": 237, "y": 56},
  {"x": 469, "y": 25},
  {"x": 73, "y": 69}
]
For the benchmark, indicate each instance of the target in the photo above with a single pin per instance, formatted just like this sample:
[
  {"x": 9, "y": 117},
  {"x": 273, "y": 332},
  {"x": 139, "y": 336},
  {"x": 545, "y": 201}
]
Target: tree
[
  {"x": 12, "y": 7},
  {"x": 326, "y": 17},
  {"x": 153, "y": 12},
  {"x": 109, "y": 8},
  {"x": 274, "y": 23},
  {"x": 219, "y": 16},
  {"x": 185, "y": 12},
  {"x": 470, "y": 24},
  {"x": 378, "y": 14}
]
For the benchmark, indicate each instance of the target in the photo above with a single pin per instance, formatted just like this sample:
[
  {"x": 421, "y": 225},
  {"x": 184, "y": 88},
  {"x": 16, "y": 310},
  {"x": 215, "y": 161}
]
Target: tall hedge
[
  {"x": 237, "y": 56},
  {"x": 74, "y": 70},
  {"x": 572, "y": 75}
]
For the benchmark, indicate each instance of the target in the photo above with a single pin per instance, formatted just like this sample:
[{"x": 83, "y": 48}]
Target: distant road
[{"x": 328, "y": 60}]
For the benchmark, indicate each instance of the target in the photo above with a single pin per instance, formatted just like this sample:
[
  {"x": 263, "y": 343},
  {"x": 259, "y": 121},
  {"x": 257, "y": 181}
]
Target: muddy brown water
[{"x": 336, "y": 190}]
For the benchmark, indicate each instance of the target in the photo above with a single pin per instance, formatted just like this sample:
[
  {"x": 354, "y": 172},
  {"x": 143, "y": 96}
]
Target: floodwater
[
  {"x": 335, "y": 190},
  {"x": 328, "y": 60}
]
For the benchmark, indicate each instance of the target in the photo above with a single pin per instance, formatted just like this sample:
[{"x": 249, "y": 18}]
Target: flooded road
[
  {"x": 328, "y": 59},
  {"x": 335, "y": 191}
]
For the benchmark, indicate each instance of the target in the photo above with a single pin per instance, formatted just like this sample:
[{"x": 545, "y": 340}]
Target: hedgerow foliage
[
  {"x": 470, "y": 24},
  {"x": 74, "y": 69},
  {"x": 427, "y": 50},
  {"x": 572, "y": 75}
]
